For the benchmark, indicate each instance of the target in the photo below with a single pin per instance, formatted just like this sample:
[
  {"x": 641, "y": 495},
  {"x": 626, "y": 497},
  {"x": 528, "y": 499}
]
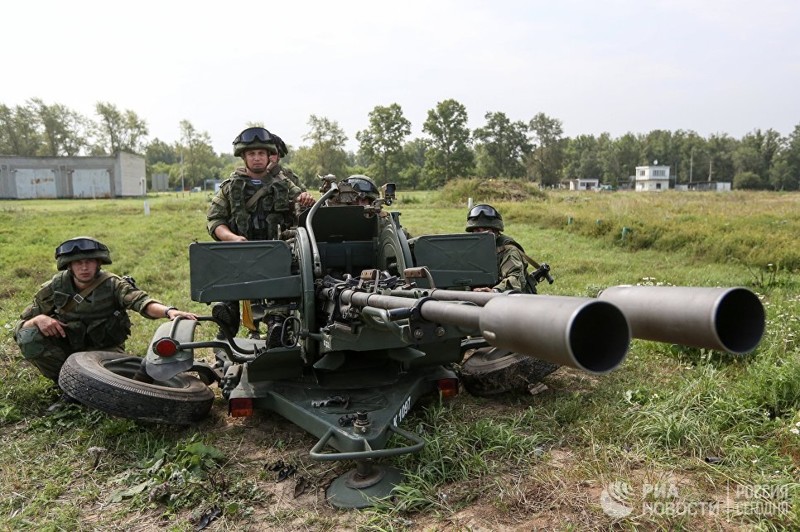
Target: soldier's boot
[
  {"x": 227, "y": 314},
  {"x": 61, "y": 403},
  {"x": 255, "y": 333},
  {"x": 274, "y": 331}
]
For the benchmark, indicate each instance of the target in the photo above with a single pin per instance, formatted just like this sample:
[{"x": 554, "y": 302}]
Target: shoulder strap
[
  {"x": 77, "y": 298},
  {"x": 527, "y": 258},
  {"x": 255, "y": 197}
]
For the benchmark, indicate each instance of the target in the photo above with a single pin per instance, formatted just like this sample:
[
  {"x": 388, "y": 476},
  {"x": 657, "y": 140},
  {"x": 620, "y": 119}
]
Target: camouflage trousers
[{"x": 48, "y": 353}]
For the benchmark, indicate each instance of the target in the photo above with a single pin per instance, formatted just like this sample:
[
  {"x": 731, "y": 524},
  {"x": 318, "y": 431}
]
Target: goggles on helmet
[
  {"x": 362, "y": 185},
  {"x": 252, "y": 134},
  {"x": 79, "y": 244},
  {"x": 483, "y": 210}
]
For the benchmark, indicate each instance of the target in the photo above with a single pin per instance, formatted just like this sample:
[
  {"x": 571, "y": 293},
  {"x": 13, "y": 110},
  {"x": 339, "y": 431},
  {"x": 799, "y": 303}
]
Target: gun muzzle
[
  {"x": 726, "y": 319},
  {"x": 582, "y": 333}
]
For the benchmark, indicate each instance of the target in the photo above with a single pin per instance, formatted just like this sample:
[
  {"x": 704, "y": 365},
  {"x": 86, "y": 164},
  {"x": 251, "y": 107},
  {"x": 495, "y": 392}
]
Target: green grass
[{"x": 699, "y": 420}]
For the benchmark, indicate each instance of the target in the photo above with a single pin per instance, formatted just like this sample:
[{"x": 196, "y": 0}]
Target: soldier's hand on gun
[{"x": 305, "y": 199}]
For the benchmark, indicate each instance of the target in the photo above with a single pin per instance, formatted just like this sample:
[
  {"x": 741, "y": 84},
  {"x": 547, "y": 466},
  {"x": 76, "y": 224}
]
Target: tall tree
[
  {"x": 500, "y": 145},
  {"x": 657, "y": 146},
  {"x": 449, "y": 153},
  {"x": 325, "y": 155},
  {"x": 619, "y": 158},
  {"x": 414, "y": 155},
  {"x": 159, "y": 151},
  {"x": 720, "y": 148},
  {"x": 755, "y": 153},
  {"x": 198, "y": 160},
  {"x": 692, "y": 156},
  {"x": 64, "y": 130},
  {"x": 381, "y": 144},
  {"x": 546, "y": 160},
  {"x": 19, "y": 131},
  {"x": 582, "y": 158},
  {"x": 785, "y": 171},
  {"x": 119, "y": 130}
]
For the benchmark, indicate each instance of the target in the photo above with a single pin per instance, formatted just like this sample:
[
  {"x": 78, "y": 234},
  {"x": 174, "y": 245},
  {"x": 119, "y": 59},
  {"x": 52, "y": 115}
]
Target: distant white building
[
  {"x": 652, "y": 178},
  {"x": 715, "y": 186},
  {"x": 584, "y": 184},
  {"x": 72, "y": 177}
]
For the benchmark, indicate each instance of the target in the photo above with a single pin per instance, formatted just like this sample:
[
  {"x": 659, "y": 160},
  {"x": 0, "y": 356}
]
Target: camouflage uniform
[
  {"x": 98, "y": 322},
  {"x": 518, "y": 371},
  {"x": 511, "y": 265},
  {"x": 272, "y": 213},
  {"x": 511, "y": 261},
  {"x": 273, "y": 209}
]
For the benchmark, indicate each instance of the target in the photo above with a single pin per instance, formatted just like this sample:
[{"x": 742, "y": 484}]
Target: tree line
[{"x": 535, "y": 150}]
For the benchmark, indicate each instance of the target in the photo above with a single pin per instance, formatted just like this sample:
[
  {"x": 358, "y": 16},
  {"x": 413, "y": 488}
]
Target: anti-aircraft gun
[{"x": 371, "y": 324}]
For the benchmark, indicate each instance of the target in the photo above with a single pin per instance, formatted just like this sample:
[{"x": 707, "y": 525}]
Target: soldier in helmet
[
  {"x": 356, "y": 190},
  {"x": 511, "y": 260},
  {"x": 255, "y": 203},
  {"x": 82, "y": 308},
  {"x": 489, "y": 370},
  {"x": 258, "y": 198}
]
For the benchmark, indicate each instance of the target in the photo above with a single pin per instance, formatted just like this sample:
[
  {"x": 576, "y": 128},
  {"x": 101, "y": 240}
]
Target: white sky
[{"x": 712, "y": 66}]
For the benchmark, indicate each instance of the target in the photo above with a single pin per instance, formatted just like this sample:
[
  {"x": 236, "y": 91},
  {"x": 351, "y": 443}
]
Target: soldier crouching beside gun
[
  {"x": 82, "y": 308},
  {"x": 489, "y": 370}
]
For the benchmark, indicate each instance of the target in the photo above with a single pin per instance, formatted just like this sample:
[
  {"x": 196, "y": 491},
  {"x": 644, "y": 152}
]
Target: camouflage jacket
[
  {"x": 274, "y": 210},
  {"x": 511, "y": 265},
  {"x": 99, "y": 320}
]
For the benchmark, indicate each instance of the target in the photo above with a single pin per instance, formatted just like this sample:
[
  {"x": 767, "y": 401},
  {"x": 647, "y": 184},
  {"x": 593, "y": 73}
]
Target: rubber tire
[
  {"x": 490, "y": 372},
  {"x": 104, "y": 380}
]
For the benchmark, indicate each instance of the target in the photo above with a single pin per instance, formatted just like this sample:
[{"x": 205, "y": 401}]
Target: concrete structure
[
  {"x": 212, "y": 184},
  {"x": 715, "y": 186},
  {"x": 584, "y": 184},
  {"x": 652, "y": 178},
  {"x": 159, "y": 182},
  {"x": 72, "y": 177}
]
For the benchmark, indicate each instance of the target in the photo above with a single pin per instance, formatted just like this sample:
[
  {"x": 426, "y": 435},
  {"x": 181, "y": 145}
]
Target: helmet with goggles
[
  {"x": 258, "y": 138},
  {"x": 81, "y": 248},
  {"x": 364, "y": 185},
  {"x": 484, "y": 215}
]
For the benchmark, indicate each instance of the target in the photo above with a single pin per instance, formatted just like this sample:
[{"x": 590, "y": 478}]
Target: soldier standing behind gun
[{"x": 255, "y": 202}]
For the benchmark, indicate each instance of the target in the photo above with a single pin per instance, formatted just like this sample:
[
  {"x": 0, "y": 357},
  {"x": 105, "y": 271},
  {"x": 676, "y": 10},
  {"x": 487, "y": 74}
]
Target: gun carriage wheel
[
  {"x": 104, "y": 380},
  {"x": 490, "y": 371}
]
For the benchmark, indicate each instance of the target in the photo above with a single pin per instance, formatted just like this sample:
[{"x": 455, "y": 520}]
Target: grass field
[{"x": 679, "y": 438}]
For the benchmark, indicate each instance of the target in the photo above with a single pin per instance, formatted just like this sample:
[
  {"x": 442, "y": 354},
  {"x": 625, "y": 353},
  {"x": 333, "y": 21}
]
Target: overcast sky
[{"x": 617, "y": 66}]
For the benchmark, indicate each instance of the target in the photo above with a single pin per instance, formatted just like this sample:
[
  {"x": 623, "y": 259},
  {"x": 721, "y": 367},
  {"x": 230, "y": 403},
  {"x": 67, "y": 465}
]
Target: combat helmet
[
  {"x": 258, "y": 138},
  {"x": 80, "y": 248},
  {"x": 484, "y": 215},
  {"x": 364, "y": 185}
]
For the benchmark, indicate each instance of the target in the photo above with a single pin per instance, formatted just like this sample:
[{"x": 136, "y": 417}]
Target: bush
[{"x": 490, "y": 190}]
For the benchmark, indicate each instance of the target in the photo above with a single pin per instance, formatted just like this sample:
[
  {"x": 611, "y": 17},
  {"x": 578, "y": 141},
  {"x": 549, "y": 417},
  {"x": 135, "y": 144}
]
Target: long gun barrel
[
  {"x": 587, "y": 334},
  {"x": 726, "y": 319}
]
